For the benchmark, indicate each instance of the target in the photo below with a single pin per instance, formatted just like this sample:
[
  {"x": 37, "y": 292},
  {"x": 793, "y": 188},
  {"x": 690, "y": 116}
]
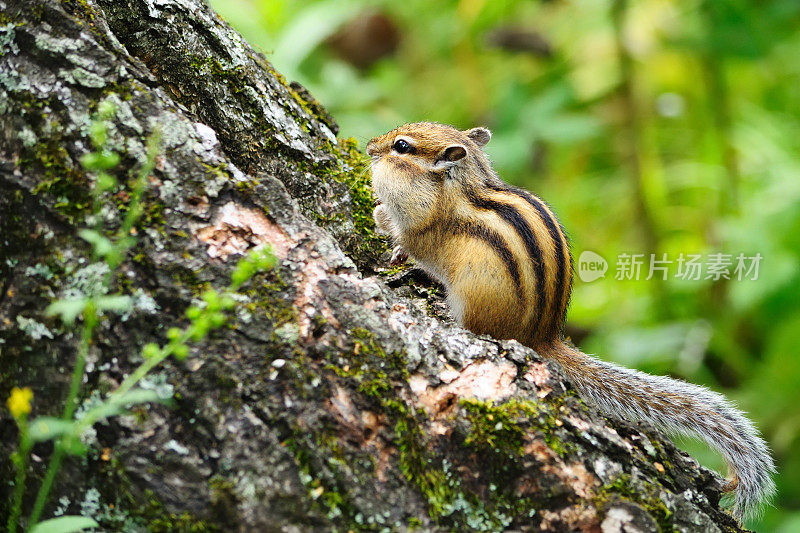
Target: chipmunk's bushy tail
[{"x": 682, "y": 408}]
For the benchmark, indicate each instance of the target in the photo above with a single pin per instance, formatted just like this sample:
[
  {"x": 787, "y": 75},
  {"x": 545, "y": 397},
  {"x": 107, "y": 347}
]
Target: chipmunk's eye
[{"x": 401, "y": 147}]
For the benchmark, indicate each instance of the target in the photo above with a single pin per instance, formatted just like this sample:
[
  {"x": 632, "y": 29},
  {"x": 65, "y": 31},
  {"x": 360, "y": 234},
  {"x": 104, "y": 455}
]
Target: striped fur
[
  {"x": 486, "y": 241},
  {"x": 516, "y": 220},
  {"x": 563, "y": 278},
  {"x": 490, "y": 237}
]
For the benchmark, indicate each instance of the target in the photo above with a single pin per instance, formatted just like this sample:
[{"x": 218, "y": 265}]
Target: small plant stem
[
  {"x": 135, "y": 205},
  {"x": 21, "y": 462},
  {"x": 142, "y": 371},
  {"x": 41, "y": 497},
  {"x": 89, "y": 323},
  {"x": 128, "y": 383},
  {"x": 122, "y": 242}
]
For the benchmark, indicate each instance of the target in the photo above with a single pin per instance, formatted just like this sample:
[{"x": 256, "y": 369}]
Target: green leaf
[
  {"x": 102, "y": 245},
  {"x": 116, "y": 302},
  {"x": 73, "y": 445},
  {"x": 107, "y": 109},
  {"x": 115, "y": 405},
  {"x": 125, "y": 243},
  {"x": 104, "y": 160},
  {"x": 98, "y": 132},
  {"x": 137, "y": 396},
  {"x": 48, "y": 428},
  {"x": 68, "y": 310},
  {"x": 105, "y": 182},
  {"x": 108, "y": 160},
  {"x": 64, "y": 524}
]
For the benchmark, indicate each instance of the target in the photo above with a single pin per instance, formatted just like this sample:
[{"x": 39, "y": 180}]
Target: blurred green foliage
[{"x": 656, "y": 126}]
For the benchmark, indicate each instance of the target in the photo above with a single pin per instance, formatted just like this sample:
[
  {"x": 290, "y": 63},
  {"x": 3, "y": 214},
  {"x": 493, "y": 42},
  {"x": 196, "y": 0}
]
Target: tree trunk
[{"x": 331, "y": 400}]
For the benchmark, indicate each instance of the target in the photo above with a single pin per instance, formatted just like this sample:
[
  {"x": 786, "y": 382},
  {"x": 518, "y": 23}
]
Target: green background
[{"x": 653, "y": 126}]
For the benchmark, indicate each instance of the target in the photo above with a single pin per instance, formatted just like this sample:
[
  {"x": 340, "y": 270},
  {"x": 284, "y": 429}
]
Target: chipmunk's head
[{"x": 412, "y": 164}]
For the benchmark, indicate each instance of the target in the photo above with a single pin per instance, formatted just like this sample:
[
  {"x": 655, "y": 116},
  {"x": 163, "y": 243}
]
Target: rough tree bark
[{"x": 332, "y": 401}]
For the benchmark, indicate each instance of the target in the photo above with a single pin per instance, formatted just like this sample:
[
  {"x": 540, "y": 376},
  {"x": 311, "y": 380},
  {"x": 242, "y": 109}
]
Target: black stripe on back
[
  {"x": 515, "y": 219},
  {"x": 493, "y": 239},
  {"x": 555, "y": 233}
]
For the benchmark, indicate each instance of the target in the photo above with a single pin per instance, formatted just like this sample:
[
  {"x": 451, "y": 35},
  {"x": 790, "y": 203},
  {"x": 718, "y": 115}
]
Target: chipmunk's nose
[{"x": 371, "y": 148}]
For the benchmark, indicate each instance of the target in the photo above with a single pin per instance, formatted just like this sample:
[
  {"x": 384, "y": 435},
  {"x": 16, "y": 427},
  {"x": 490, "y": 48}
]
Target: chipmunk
[{"x": 505, "y": 262}]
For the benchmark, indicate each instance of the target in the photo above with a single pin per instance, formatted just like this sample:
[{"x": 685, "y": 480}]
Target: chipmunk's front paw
[
  {"x": 382, "y": 221},
  {"x": 399, "y": 256}
]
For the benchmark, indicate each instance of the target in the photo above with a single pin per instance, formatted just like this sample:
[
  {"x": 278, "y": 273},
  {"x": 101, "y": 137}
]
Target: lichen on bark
[{"x": 331, "y": 401}]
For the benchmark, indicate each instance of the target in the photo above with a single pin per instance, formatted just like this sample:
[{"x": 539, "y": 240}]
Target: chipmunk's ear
[
  {"x": 454, "y": 152},
  {"x": 450, "y": 156},
  {"x": 479, "y": 136}
]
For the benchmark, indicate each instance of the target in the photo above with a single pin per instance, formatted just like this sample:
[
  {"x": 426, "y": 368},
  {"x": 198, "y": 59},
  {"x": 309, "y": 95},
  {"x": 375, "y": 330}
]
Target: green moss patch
[{"x": 646, "y": 495}]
